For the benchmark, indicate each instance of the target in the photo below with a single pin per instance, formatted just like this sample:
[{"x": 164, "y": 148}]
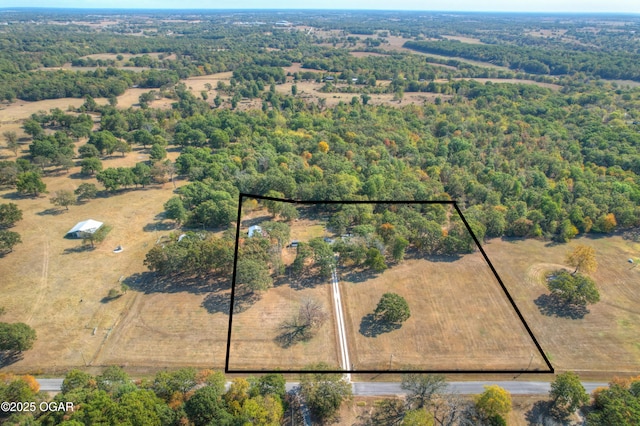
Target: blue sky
[{"x": 624, "y": 6}]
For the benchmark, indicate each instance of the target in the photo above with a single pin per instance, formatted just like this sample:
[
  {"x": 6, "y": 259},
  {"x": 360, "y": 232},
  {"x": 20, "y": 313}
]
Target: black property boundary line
[{"x": 442, "y": 371}]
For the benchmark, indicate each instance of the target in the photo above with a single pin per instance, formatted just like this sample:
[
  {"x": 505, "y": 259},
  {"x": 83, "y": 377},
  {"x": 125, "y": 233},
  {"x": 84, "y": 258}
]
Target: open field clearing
[
  {"x": 253, "y": 339},
  {"x": 21, "y": 110},
  {"x": 604, "y": 339},
  {"x": 468, "y": 40},
  {"x": 197, "y": 84},
  {"x": 460, "y": 319},
  {"x": 59, "y": 289}
]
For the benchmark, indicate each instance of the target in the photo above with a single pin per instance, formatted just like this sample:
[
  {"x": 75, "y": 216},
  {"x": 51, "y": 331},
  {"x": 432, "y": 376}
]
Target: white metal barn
[{"x": 85, "y": 227}]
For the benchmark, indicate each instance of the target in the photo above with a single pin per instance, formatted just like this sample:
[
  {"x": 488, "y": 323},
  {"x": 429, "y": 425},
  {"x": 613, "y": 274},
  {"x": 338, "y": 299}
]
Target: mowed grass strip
[{"x": 460, "y": 319}]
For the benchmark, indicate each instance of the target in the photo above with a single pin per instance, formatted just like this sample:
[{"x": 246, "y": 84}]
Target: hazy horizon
[{"x": 542, "y": 6}]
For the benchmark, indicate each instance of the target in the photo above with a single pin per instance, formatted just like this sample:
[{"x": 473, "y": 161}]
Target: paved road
[
  {"x": 388, "y": 388},
  {"x": 50, "y": 385},
  {"x": 342, "y": 333},
  {"x": 514, "y": 387}
]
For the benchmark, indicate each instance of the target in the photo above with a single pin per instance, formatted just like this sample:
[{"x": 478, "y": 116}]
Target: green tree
[
  {"x": 392, "y": 308},
  {"x": 274, "y": 207},
  {"x": 86, "y": 191},
  {"x": 76, "y": 380},
  {"x": 157, "y": 153},
  {"x": 63, "y": 198},
  {"x": 88, "y": 151},
  {"x": 174, "y": 209},
  {"x": 142, "y": 174},
  {"x": 30, "y": 183},
  {"x": 17, "y": 337},
  {"x": 619, "y": 404},
  {"x": 278, "y": 230},
  {"x": 567, "y": 393},
  {"x": 12, "y": 141},
  {"x": 398, "y": 250},
  {"x": 289, "y": 212},
  {"x": 9, "y": 215},
  {"x": 90, "y": 165},
  {"x": 253, "y": 274},
  {"x": 139, "y": 407},
  {"x": 167, "y": 383},
  {"x": 302, "y": 254},
  {"x": 493, "y": 402},
  {"x": 375, "y": 260},
  {"x": 8, "y": 240},
  {"x": 32, "y": 128},
  {"x": 219, "y": 138},
  {"x": 323, "y": 256},
  {"x": 419, "y": 417},
  {"x": 268, "y": 384},
  {"x": 573, "y": 289},
  {"x": 323, "y": 392},
  {"x": 104, "y": 141},
  {"x": 112, "y": 378},
  {"x": 206, "y": 407}
]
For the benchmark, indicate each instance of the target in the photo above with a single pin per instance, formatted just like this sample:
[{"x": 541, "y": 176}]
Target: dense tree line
[
  {"x": 169, "y": 398},
  {"x": 536, "y": 60},
  {"x": 491, "y": 150}
]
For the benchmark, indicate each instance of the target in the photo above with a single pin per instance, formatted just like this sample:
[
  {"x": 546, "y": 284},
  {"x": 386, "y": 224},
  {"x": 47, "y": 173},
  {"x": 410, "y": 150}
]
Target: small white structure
[
  {"x": 85, "y": 227},
  {"x": 255, "y": 229}
]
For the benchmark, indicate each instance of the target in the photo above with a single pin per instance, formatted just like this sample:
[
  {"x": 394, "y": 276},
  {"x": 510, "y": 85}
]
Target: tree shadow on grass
[
  {"x": 292, "y": 333},
  {"x": 52, "y": 211},
  {"x": 150, "y": 282},
  {"x": 358, "y": 275},
  {"x": 159, "y": 226},
  {"x": 551, "y": 305},
  {"x": 220, "y": 302},
  {"x": 10, "y": 357},
  {"x": 542, "y": 413},
  {"x": 372, "y": 327},
  {"x": 78, "y": 249},
  {"x": 301, "y": 281}
]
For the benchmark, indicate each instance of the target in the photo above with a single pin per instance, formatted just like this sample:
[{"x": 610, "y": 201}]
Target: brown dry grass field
[
  {"x": 603, "y": 342},
  {"x": 58, "y": 289},
  {"x": 468, "y": 40},
  {"x": 460, "y": 319},
  {"x": 253, "y": 344}
]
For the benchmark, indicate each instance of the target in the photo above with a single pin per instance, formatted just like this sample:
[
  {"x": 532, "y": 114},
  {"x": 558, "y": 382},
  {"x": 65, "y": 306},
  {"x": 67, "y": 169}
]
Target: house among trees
[
  {"x": 89, "y": 226},
  {"x": 255, "y": 229}
]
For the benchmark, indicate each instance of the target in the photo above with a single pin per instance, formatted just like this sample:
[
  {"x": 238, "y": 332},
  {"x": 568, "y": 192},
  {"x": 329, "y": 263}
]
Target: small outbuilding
[
  {"x": 255, "y": 230},
  {"x": 89, "y": 226}
]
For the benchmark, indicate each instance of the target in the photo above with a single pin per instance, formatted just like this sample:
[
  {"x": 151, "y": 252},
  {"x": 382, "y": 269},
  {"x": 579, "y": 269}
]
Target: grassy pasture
[
  {"x": 599, "y": 343},
  {"x": 460, "y": 319},
  {"x": 253, "y": 343}
]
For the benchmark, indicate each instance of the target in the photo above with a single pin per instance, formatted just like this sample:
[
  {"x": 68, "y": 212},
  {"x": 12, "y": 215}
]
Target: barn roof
[{"x": 88, "y": 225}]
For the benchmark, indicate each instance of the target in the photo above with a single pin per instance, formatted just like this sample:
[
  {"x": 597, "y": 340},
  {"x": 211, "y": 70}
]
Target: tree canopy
[{"x": 393, "y": 308}]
